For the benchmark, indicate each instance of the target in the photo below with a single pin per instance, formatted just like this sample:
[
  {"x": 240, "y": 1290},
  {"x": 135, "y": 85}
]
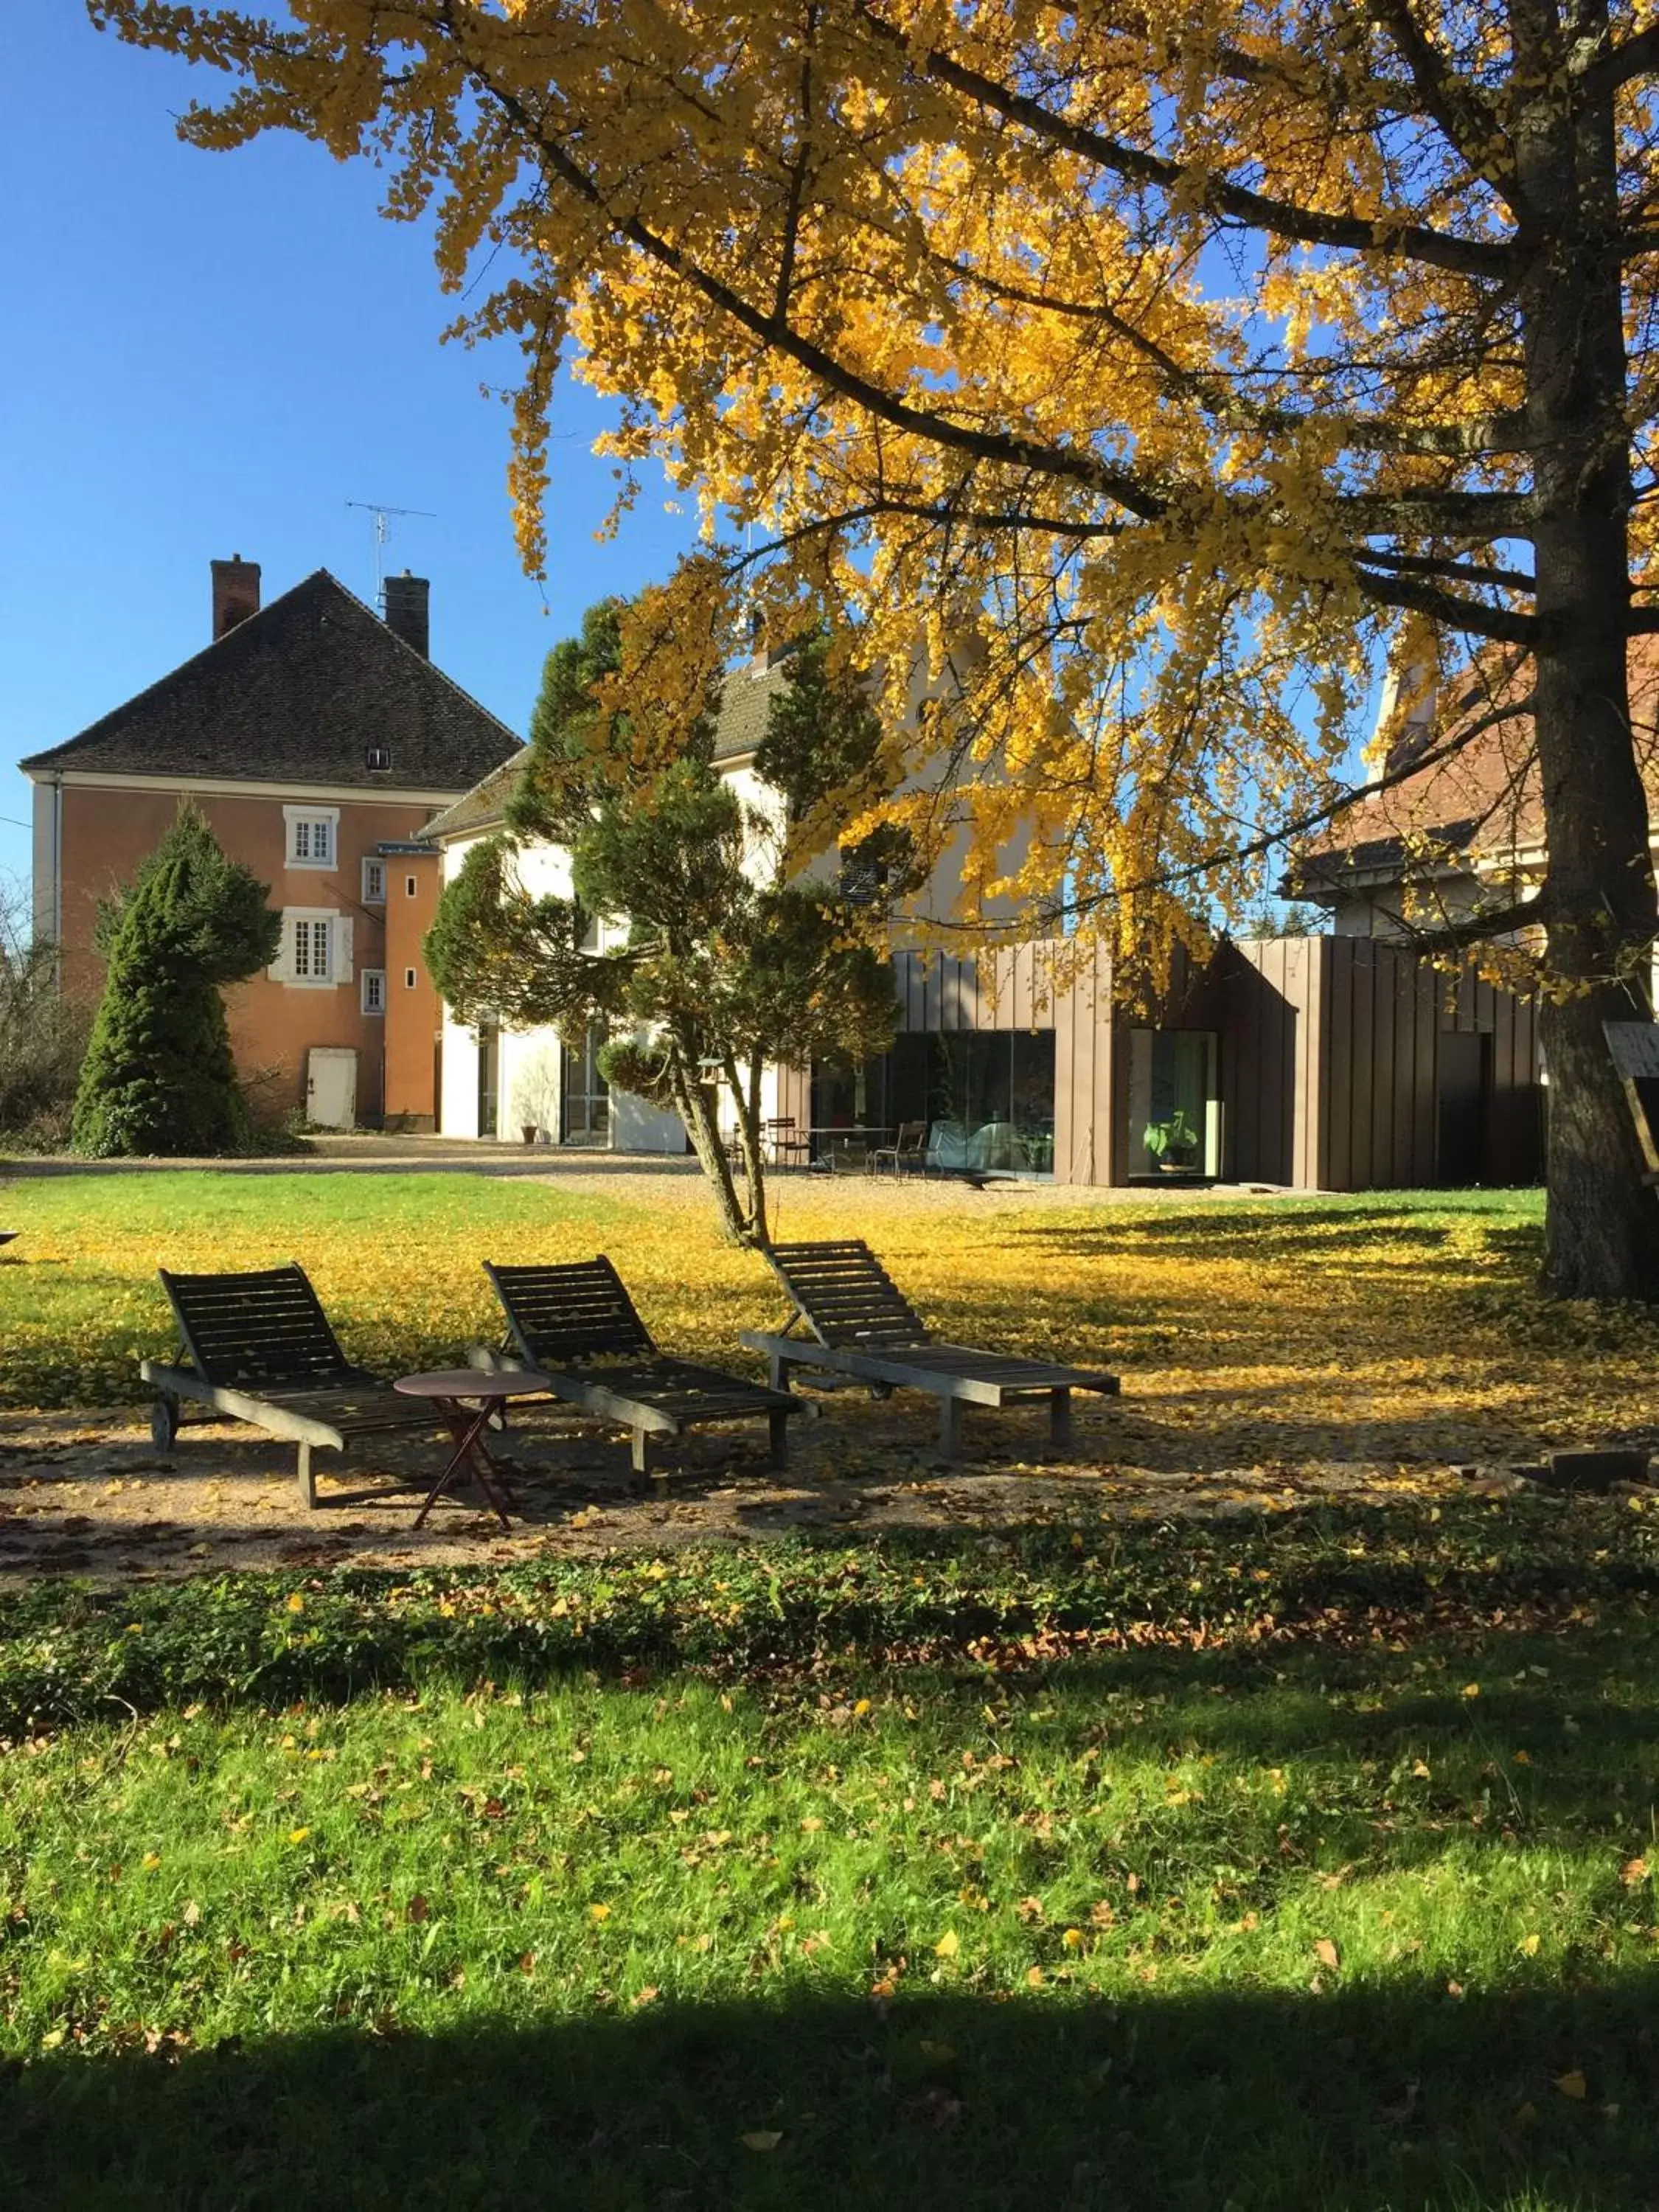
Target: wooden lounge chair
[
  {"x": 261, "y": 1351},
  {"x": 576, "y": 1329},
  {"x": 861, "y": 1326}
]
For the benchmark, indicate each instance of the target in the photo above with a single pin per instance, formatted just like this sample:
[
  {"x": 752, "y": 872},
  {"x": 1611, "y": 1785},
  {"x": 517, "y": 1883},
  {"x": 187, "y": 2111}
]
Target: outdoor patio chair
[
  {"x": 860, "y": 1325},
  {"x": 782, "y": 1143},
  {"x": 908, "y": 1154},
  {"x": 577, "y": 1330},
  {"x": 261, "y": 1351}
]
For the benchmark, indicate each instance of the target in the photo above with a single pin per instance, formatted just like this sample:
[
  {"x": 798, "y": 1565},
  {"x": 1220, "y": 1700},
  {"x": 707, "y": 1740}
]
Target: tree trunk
[
  {"x": 746, "y": 1097},
  {"x": 695, "y": 1102},
  {"x": 1602, "y": 1235}
]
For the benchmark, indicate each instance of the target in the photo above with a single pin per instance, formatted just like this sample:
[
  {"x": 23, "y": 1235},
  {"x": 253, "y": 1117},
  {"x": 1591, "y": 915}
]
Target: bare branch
[{"x": 1457, "y": 105}]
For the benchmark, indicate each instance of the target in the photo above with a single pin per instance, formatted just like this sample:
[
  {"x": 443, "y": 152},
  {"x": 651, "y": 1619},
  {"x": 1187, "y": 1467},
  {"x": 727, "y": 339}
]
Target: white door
[{"x": 332, "y": 1087}]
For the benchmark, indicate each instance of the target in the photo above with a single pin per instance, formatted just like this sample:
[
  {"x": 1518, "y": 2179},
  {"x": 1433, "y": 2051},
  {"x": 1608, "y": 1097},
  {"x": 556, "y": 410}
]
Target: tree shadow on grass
[
  {"x": 1265, "y": 2102},
  {"x": 1324, "y": 1231}
]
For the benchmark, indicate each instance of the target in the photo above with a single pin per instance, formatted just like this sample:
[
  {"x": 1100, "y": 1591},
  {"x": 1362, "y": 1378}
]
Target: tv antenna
[{"x": 383, "y": 515}]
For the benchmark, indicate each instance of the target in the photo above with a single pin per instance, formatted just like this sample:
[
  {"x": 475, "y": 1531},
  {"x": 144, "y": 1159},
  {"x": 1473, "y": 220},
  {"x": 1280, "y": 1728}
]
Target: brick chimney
[
  {"x": 406, "y": 610},
  {"x": 235, "y": 592}
]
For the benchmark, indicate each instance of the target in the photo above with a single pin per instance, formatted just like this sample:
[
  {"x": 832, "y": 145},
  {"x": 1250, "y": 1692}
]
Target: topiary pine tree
[
  {"x": 158, "y": 1076},
  {"x": 732, "y": 959}
]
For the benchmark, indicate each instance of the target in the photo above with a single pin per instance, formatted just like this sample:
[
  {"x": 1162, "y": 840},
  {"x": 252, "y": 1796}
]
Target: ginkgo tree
[{"x": 1158, "y": 363}]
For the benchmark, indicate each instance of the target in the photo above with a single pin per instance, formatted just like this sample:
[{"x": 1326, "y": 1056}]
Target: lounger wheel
[{"x": 164, "y": 1421}]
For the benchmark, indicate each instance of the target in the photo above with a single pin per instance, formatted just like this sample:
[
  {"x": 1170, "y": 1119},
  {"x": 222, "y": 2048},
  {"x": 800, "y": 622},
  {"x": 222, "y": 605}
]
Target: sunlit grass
[{"x": 888, "y": 1919}]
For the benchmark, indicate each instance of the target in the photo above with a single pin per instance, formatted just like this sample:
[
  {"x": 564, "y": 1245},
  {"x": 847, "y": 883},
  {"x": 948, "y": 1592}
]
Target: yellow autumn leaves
[
  {"x": 930, "y": 297},
  {"x": 1256, "y": 1341}
]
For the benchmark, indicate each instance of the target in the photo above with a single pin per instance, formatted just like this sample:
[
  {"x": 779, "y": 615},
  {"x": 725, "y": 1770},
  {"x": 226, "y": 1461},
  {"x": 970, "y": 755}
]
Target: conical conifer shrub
[{"x": 159, "y": 1077}]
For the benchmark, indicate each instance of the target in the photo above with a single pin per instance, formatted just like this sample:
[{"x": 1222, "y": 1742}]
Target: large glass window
[
  {"x": 1175, "y": 1118},
  {"x": 986, "y": 1097}
]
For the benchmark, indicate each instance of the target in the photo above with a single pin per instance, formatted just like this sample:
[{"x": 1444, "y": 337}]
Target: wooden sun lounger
[
  {"x": 261, "y": 1351},
  {"x": 862, "y": 1327},
  {"x": 576, "y": 1329}
]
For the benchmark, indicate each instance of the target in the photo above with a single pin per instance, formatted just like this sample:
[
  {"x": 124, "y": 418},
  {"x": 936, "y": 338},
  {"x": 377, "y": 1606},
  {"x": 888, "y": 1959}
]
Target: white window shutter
[
  {"x": 281, "y": 970},
  {"x": 343, "y": 970}
]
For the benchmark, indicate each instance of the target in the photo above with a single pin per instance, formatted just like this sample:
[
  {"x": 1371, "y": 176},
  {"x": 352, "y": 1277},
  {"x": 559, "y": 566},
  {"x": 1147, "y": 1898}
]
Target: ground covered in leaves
[
  {"x": 1270, "y": 1352},
  {"x": 1293, "y": 1863}
]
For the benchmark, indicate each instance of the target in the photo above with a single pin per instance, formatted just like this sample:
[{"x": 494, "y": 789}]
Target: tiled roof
[
  {"x": 746, "y": 695},
  {"x": 297, "y": 694},
  {"x": 742, "y": 725},
  {"x": 485, "y": 804},
  {"x": 1482, "y": 802}
]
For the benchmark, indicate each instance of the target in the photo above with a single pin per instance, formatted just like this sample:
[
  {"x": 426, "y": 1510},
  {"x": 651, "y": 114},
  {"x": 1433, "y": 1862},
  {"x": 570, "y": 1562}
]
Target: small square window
[
  {"x": 374, "y": 883},
  {"x": 373, "y": 1000},
  {"x": 409, "y": 979},
  {"x": 409, "y": 886},
  {"x": 379, "y": 757},
  {"x": 313, "y": 841}
]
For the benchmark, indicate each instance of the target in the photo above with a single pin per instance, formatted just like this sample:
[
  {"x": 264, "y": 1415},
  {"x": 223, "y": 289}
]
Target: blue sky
[{"x": 210, "y": 353}]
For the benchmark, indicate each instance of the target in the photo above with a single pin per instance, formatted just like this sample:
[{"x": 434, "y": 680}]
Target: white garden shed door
[{"x": 331, "y": 1087}]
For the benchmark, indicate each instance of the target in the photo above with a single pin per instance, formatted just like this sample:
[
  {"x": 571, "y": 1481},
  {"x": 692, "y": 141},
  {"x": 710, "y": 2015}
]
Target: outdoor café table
[{"x": 449, "y": 1389}]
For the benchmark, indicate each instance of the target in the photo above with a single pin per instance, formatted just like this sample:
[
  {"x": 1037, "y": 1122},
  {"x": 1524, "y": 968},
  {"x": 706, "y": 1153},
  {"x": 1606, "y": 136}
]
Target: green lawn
[{"x": 1300, "y": 1864}]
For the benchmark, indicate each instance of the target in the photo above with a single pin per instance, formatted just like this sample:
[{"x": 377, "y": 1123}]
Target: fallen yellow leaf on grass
[
  {"x": 295, "y": 1602},
  {"x": 948, "y": 1945},
  {"x": 1570, "y": 2085},
  {"x": 1326, "y": 1952},
  {"x": 298, "y": 1835},
  {"x": 1632, "y": 1871},
  {"x": 599, "y": 1912},
  {"x": 1528, "y": 1947}
]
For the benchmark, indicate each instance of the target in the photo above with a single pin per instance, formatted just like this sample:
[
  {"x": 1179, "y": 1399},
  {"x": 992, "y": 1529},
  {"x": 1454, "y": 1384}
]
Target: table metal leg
[{"x": 467, "y": 1427}]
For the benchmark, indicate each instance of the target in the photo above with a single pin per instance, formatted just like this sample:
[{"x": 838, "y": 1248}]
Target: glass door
[
  {"x": 489, "y": 1081},
  {"x": 585, "y": 1095}
]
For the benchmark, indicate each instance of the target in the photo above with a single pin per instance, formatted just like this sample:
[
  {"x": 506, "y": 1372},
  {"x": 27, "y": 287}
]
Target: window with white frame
[
  {"x": 316, "y": 949},
  {"x": 409, "y": 979},
  {"x": 373, "y": 1000},
  {"x": 374, "y": 883},
  {"x": 313, "y": 835},
  {"x": 313, "y": 952}
]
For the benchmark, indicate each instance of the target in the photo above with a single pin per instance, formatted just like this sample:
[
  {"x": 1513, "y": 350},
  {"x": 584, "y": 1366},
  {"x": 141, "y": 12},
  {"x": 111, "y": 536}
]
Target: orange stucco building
[{"x": 318, "y": 740}]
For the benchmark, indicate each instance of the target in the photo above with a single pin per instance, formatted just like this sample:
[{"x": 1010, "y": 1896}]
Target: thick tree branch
[
  {"x": 1467, "y": 514},
  {"x": 1460, "y": 572},
  {"x": 1280, "y": 218},
  {"x": 1637, "y": 56},
  {"x": 1449, "y": 608},
  {"x": 998, "y": 448}
]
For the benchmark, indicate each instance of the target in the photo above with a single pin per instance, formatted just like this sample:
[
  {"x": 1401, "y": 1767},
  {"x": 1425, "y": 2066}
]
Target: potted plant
[{"x": 1172, "y": 1143}]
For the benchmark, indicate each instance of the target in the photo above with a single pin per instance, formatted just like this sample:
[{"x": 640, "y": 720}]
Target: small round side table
[{"x": 464, "y": 1398}]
